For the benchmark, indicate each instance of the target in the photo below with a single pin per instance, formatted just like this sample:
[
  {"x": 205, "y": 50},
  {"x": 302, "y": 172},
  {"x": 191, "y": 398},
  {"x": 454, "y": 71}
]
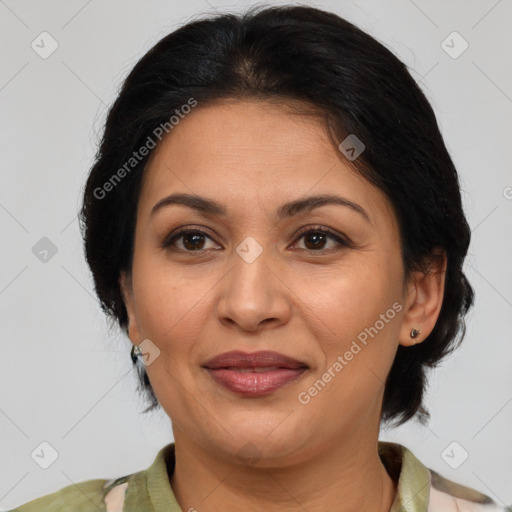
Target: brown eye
[
  {"x": 191, "y": 240},
  {"x": 315, "y": 239},
  {"x": 194, "y": 240}
]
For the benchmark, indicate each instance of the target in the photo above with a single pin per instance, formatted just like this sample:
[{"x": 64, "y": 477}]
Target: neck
[{"x": 344, "y": 476}]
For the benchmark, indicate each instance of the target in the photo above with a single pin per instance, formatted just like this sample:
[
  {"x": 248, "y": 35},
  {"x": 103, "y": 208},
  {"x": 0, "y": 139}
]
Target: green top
[{"x": 419, "y": 489}]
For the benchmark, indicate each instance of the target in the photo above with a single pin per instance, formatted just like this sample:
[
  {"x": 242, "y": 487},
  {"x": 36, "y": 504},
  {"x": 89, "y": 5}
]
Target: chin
[{"x": 260, "y": 447}]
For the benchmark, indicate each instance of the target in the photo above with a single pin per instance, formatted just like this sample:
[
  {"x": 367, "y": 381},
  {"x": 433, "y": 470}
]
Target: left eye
[
  {"x": 193, "y": 240},
  {"x": 318, "y": 236}
]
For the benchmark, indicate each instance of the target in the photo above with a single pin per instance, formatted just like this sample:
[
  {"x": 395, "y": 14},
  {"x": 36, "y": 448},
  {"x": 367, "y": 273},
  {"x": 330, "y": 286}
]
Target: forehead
[
  {"x": 252, "y": 137},
  {"x": 249, "y": 153}
]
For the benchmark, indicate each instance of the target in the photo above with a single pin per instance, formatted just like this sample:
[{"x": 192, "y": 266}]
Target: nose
[{"x": 254, "y": 294}]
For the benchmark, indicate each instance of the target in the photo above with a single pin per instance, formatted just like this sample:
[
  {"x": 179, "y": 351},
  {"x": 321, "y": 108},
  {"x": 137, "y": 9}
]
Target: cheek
[
  {"x": 171, "y": 313},
  {"x": 358, "y": 323},
  {"x": 171, "y": 304},
  {"x": 355, "y": 300}
]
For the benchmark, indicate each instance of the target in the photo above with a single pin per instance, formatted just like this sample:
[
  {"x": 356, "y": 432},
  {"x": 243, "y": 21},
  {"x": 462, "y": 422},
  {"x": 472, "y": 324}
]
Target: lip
[
  {"x": 256, "y": 373},
  {"x": 261, "y": 359}
]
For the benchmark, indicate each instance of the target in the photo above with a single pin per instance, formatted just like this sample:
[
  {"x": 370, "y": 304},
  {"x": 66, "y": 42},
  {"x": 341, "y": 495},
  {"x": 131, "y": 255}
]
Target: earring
[
  {"x": 415, "y": 333},
  {"x": 135, "y": 353}
]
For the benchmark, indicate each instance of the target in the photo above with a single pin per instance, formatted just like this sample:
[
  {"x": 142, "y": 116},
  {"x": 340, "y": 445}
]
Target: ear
[
  {"x": 125, "y": 285},
  {"x": 425, "y": 291}
]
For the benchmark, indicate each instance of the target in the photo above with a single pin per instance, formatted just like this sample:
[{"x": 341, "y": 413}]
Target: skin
[{"x": 305, "y": 302}]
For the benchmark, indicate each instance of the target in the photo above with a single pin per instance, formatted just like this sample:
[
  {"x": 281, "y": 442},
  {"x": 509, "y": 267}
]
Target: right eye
[{"x": 192, "y": 240}]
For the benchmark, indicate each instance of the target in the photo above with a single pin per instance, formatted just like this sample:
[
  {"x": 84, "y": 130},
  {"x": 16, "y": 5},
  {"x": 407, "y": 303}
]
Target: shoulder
[
  {"x": 87, "y": 496},
  {"x": 422, "y": 489},
  {"x": 135, "y": 492},
  {"x": 448, "y": 495}
]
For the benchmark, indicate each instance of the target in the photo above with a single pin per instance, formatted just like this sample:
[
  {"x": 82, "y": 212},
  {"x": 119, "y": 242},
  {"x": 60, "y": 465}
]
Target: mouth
[
  {"x": 254, "y": 369},
  {"x": 254, "y": 374}
]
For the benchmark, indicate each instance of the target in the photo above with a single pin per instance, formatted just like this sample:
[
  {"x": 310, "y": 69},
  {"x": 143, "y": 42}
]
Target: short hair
[{"x": 316, "y": 59}]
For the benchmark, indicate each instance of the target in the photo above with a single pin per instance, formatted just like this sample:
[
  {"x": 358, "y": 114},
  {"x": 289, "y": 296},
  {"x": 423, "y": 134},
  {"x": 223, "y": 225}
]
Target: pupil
[
  {"x": 195, "y": 236},
  {"x": 318, "y": 237}
]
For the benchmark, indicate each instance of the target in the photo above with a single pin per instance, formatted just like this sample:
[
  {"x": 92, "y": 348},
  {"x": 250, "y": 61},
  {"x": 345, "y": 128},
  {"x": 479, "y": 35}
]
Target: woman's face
[{"x": 251, "y": 281}]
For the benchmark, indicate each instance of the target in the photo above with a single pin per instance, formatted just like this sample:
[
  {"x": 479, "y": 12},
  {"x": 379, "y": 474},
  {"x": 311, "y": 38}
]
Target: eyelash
[{"x": 168, "y": 242}]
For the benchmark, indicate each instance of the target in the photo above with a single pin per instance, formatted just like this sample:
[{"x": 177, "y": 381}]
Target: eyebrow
[{"x": 208, "y": 206}]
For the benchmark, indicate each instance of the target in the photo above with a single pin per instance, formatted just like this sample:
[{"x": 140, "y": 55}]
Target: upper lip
[{"x": 261, "y": 359}]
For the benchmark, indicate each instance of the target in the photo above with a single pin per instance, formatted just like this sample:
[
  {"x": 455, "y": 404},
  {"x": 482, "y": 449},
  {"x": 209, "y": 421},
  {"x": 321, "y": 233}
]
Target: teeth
[{"x": 253, "y": 370}]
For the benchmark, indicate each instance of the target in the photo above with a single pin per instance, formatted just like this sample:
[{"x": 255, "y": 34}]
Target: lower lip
[{"x": 252, "y": 383}]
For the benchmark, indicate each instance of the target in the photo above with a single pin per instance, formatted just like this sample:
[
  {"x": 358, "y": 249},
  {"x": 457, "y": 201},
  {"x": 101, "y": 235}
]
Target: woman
[{"x": 274, "y": 220}]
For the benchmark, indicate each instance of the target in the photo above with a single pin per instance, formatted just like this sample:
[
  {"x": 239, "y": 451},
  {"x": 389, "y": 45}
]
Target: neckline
[{"x": 411, "y": 477}]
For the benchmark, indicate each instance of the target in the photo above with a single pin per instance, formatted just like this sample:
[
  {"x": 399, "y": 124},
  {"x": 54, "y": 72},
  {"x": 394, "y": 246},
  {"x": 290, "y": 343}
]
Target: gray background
[{"x": 66, "y": 378}]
